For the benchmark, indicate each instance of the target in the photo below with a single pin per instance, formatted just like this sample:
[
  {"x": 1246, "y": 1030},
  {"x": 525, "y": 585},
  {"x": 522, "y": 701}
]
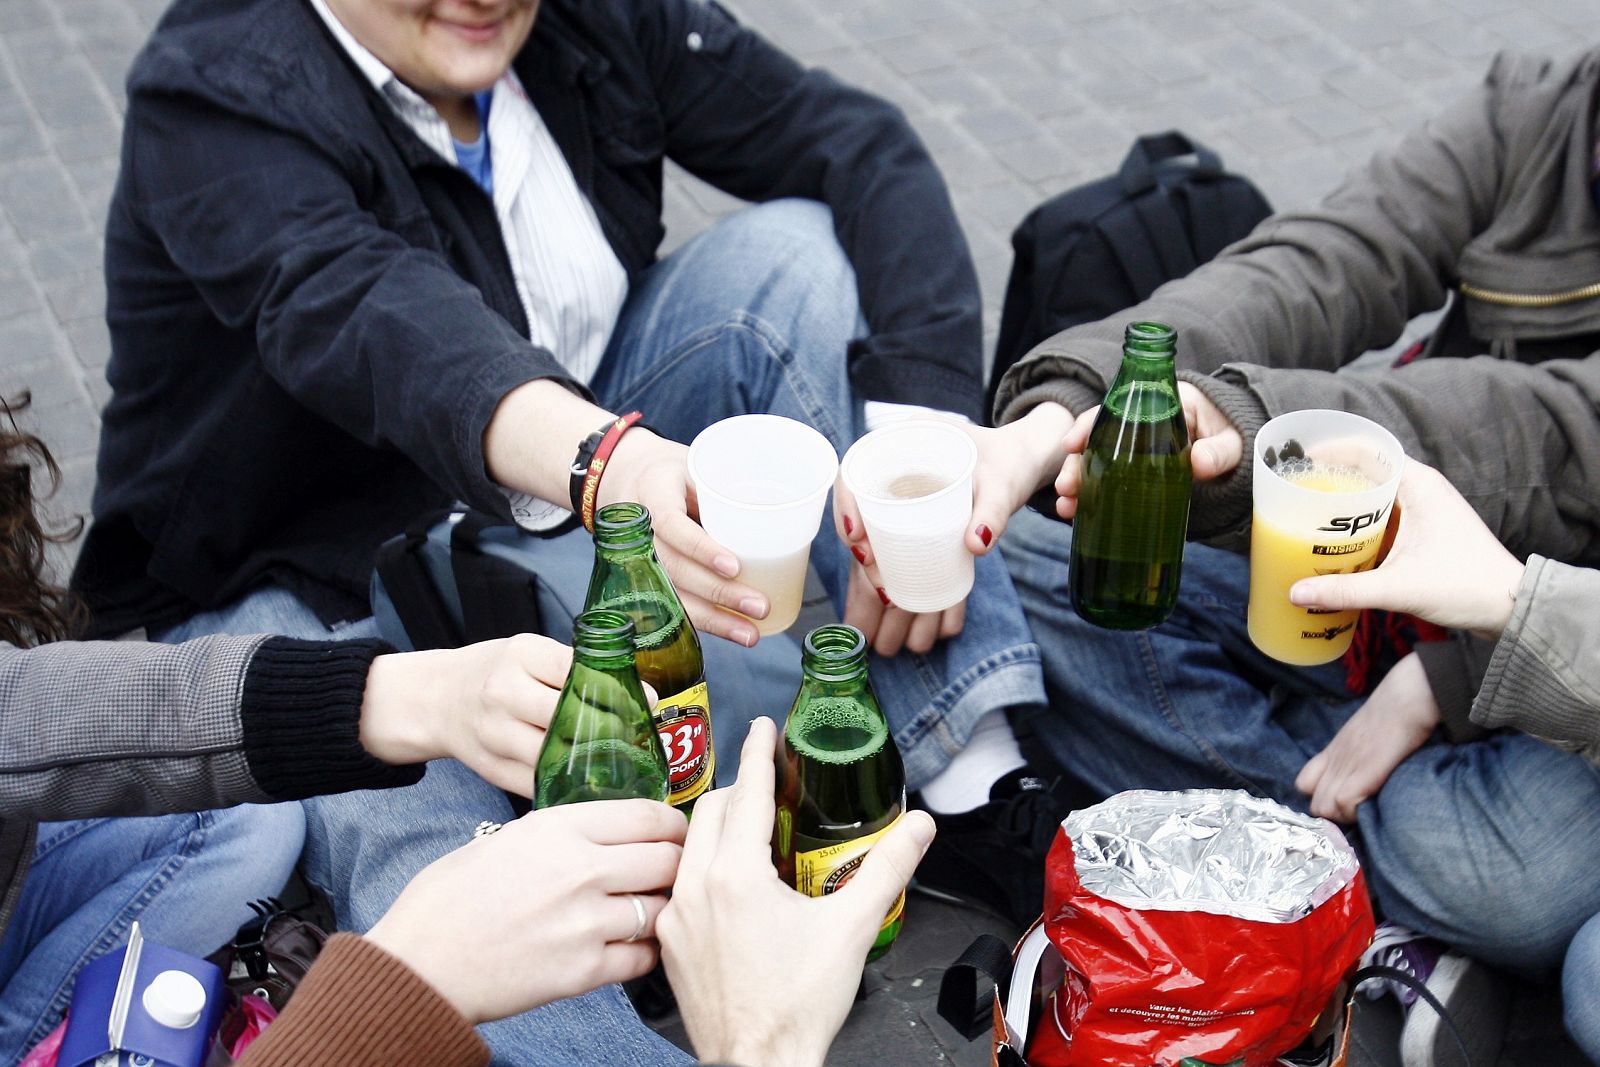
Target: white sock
[{"x": 965, "y": 782}]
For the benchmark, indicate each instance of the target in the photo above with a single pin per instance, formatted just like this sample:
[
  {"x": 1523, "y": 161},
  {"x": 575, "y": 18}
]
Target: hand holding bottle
[
  {"x": 1216, "y": 447},
  {"x": 747, "y": 996},
  {"x": 487, "y": 705},
  {"x": 540, "y": 910}
]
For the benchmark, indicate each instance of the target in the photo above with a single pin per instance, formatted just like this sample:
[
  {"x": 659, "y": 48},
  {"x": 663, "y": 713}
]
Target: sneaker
[
  {"x": 1475, "y": 999},
  {"x": 993, "y": 856},
  {"x": 1405, "y": 950}
]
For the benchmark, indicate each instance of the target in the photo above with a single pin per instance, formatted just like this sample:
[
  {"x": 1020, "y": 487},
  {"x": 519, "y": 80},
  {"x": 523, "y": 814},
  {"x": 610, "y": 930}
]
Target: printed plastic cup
[
  {"x": 913, "y": 483},
  {"x": 761, "y": 481},
  {"x": 1323, "y": 483}
]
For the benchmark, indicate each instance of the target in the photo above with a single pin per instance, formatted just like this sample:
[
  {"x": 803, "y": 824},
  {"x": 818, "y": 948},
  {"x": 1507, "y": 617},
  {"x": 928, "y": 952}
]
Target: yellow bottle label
[
  {"x": 684, "y": 722},
  {"x": 824, "y": 870}
]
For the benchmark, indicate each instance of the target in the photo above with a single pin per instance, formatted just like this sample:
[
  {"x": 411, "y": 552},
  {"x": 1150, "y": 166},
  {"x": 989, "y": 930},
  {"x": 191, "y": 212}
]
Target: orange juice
[{"x": 1280, "y": 557}]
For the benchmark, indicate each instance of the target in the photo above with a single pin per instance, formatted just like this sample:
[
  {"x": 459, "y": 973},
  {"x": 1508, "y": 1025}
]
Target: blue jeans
[
  {"x": 186, "y": 879},
  {"x": 1580, "y": 989},
  {"x": 754, "y": 315},
  {"x": 1487, "y": 846},
  {"x": 363, "y": 847}
]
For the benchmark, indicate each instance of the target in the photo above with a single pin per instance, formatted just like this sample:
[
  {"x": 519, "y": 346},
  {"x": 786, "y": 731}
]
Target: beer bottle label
[
  {"x": 824, "y": 870},
  {"x": 684, "y": 722}
]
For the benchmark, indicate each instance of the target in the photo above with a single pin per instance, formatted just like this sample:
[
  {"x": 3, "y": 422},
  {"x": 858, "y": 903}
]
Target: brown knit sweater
[{"x": 360, "y": 1006}]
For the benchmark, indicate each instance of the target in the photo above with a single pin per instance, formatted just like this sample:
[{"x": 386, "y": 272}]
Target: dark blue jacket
[{"x": 313, "y": 315}]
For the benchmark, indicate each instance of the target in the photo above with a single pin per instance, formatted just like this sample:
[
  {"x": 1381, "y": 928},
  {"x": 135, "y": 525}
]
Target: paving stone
[
  {"x": 77, "y": 296},
  {"x": 50, "y": 382},
  {"x": 955, "y": 89},
  {"x": 90, "y": 142},
  {"x": 1527, "y": 31},
  {"x": 997, "y": 125},
  {"x": 910, "y": 55},
  {"x": 69, "y": 429},
  {"x": 66, "y": 254},
  {"x": 1016, "y": 99},
  {"x": 29, "y": 338},
  {"x": 91, "y": 343}
]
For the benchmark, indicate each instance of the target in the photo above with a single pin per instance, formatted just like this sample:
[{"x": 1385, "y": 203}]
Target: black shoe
[{"x": 993, "y": 856}]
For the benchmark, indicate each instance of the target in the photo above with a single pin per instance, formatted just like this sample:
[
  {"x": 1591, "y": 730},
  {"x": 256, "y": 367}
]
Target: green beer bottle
[
  {"x": 1133, "y": 503},
  {"x": 602, "y": 744},
  {"x": 629, "y": 578},
  {"x": 840, "y": 783}
]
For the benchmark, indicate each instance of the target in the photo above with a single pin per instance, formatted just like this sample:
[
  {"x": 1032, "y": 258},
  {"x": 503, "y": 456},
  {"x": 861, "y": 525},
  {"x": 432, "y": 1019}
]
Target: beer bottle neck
[
  {"x": 622, "y": 531},
  {"x": 603, "y": 641},
  {"x": 834, "y": 656},
  {"x": 1149, "y": 352}
]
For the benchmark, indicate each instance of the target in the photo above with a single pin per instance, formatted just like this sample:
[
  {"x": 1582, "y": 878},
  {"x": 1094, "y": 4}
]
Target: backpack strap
[
  {"x": 1149, "y": 243},
  {"x": 1416, "y": 985},
  {"x": 1138, "y": 170},
  {"x": 499, "y": 597},
  {"x": 1210, "y": 217},
  {"x": 404, "y": 574},
  {"x": 958, "y": 989}
]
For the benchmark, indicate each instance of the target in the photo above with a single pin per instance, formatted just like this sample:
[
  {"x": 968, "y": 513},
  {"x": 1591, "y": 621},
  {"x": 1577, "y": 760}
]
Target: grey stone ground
[{"x": 1017, "y": 99}]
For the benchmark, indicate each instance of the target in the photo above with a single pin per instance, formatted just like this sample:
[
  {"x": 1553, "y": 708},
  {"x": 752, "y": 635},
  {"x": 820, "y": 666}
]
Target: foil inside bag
[{"x": 1221, "y": 851}]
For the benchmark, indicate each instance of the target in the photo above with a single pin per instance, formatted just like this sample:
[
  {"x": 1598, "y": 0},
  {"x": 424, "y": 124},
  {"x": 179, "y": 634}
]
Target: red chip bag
[{"x": 1207, "y": 924}]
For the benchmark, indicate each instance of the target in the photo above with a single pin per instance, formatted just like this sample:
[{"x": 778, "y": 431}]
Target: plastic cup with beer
[
  {"x": 1323, "y": 483},
  {"x": 761, "y": 481},
  {"x": 912, "y": 482}
]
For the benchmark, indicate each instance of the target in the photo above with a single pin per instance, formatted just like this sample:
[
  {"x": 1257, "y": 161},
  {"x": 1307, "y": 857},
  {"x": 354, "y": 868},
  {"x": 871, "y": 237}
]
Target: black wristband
[{"x": 580, "y": 466}]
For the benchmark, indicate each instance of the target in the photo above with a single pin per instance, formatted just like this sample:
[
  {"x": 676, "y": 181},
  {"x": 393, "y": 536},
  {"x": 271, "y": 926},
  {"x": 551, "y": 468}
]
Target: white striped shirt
[{"x": 570, "y": 282}]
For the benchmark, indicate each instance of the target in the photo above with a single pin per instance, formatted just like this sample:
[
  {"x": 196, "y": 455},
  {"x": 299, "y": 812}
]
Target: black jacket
[{"x": 313, "y": 315}]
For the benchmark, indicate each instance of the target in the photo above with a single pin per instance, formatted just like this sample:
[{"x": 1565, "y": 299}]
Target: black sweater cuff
[
  {"x": 1219, "y": 510},
  {"x": 301, "y": 712}
]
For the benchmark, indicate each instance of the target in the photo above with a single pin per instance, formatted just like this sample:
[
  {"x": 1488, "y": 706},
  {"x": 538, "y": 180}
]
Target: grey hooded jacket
[
  {"x": 1491, "y": 203},
  {"x": 1544, "y": 677},
  {"x": 114, "y": 728}
]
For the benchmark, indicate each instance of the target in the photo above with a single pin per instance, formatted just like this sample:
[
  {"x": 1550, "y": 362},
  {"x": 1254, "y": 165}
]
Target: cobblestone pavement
[{"x": 1017, "y": 99}]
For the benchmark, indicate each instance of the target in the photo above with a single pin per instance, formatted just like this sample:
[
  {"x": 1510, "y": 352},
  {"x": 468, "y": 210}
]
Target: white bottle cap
[{"x": 175, "y": 999}]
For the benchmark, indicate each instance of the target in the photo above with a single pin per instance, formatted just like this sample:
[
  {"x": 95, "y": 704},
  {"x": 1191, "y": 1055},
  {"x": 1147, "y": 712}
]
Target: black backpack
[{"x": 1102, "y": 247}]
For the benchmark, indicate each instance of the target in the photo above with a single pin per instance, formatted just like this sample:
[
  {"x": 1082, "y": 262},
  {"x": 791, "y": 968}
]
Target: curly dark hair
[{"x": 32, "y": 610}]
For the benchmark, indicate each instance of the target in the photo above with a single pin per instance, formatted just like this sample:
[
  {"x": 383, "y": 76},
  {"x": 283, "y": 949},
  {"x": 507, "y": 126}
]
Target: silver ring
[
  {"x": 485, "y": 828},
  {"x": 639, "y": 913}
]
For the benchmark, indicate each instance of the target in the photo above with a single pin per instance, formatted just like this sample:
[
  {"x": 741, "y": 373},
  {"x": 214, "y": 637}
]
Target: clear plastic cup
[
  {"x": 761, "y": 481},
  {"x": 1323, "y": 483},
  {"x": 913, "y": 484}
]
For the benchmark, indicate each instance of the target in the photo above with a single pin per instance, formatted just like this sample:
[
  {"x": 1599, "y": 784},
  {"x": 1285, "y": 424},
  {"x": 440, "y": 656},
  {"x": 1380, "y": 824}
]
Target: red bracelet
[{"x": 597, "y": 465}]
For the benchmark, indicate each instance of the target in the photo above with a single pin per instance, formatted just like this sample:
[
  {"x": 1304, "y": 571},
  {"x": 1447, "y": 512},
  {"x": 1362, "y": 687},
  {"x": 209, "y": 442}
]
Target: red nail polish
[
  {"x": 859, "y": 553},
  {"x": 883, "y": 597},
  {"x": 985, "y": 535},
  {"x": 849, "y": 527}
]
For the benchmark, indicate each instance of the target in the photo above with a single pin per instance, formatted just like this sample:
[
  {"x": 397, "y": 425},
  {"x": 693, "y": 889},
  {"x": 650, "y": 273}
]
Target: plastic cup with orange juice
[{"x": 1323, "y": 485}]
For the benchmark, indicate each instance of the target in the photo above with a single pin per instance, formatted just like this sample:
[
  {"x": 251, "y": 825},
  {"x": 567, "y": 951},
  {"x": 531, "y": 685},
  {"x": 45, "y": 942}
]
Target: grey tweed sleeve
[
  {"x": 130, "y": 728},
  {"x": 126, "y": 728}
]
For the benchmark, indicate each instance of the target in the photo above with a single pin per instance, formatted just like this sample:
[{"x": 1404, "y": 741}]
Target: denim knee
[
  {"x": 1484, "y": 846},
  {"x": 796, "y": 237},
  {"x": 1580, "y": 989},
  {"x": 260, "y": 843}
]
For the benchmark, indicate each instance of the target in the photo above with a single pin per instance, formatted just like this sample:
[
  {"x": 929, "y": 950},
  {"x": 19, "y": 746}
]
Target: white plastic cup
[
  {"x": 761, "y": 481},
  {"x": 912, "y": 481},
  {"x": 1327, "y": 517}
]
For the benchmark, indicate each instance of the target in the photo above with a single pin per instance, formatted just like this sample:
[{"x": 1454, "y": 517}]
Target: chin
[{"x": 467, "y": 78}]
